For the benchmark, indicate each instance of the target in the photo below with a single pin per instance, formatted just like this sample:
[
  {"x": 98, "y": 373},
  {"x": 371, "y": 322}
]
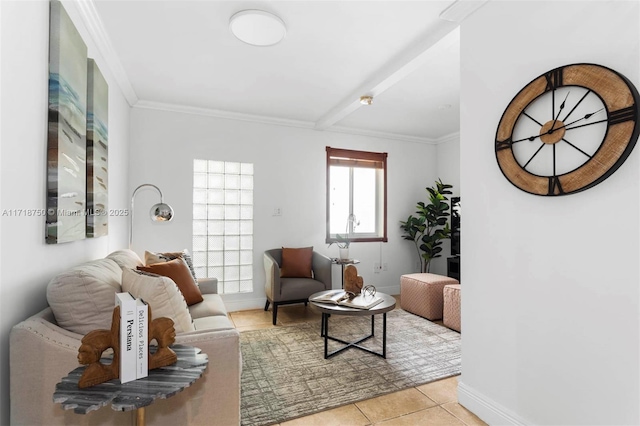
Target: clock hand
[
  {"x": 588, "y": 124},
  {"x": 565, "y": 126},
  {"x": 555, "y": 120},
  {"x": 532, "y": 138},
  {"x": 586, "y": 117},
  {"x": 576, "y": 105}
]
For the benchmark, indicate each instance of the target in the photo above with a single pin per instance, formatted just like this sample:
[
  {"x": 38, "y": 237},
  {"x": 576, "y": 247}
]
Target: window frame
[
  {"x": 355, "y": 158},
  {"x": 225, "y": 284}
]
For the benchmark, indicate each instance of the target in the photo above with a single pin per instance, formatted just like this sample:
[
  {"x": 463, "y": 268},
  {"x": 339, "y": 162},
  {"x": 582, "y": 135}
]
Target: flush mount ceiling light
[
  {"x": 366, "y": 100},
  {"x": 257, "y": 27}
]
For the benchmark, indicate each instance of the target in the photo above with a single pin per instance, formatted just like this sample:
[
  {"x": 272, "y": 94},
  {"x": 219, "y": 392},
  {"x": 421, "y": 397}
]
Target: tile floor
[{"x": 431, "y": 404}]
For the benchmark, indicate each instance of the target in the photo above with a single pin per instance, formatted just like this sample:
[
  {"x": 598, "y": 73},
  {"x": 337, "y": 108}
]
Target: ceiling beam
[
  {"x": 421, "y": 53},
  {"x": 391, "y": 73}
]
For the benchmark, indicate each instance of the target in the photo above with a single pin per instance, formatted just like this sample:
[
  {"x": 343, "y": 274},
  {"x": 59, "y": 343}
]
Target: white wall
[
  {"x": 27, "y": 262},
  {"x": 550, "y": 304},
  {"x": 448, "y": 169},
  {"x": 289, "y": 166}
]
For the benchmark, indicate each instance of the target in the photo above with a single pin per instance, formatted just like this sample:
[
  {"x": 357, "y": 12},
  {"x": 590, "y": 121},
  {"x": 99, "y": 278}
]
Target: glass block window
[{"x": 223, "y": 223}]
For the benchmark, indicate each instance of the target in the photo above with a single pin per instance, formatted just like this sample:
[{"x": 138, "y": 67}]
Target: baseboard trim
[
  {"x": 244, "y": 305},
  {"x": 488, "y": 410}
]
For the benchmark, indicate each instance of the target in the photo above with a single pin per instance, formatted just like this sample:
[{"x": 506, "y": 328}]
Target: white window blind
[{"x": 223, "y": 223}]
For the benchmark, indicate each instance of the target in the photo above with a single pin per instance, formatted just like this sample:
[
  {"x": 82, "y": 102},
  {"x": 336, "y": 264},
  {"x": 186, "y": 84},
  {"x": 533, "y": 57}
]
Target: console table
[{"x": 162, "y": 382}]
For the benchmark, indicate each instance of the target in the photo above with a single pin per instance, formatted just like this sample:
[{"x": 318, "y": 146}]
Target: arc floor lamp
[{"x": 160, "y": 212}]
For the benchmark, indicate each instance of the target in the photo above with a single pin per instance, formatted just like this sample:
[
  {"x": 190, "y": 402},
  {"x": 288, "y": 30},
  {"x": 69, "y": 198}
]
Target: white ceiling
[{"x": 180, "y": 54}]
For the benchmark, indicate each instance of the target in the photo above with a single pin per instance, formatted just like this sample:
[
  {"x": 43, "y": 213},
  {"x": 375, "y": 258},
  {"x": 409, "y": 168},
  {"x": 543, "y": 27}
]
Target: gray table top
[
  {"x": 161, "y": 382},
  {"x": 387, "y": 304}
]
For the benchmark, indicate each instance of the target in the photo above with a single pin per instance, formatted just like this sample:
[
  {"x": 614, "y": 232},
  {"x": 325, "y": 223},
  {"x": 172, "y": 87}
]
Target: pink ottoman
[
  {"x": 421, "y": 294},
  {"x": 451, "y": 314}
]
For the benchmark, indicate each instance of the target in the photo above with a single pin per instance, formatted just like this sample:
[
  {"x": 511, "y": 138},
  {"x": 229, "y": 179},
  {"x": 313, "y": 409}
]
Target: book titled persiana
[
  {"x": 128, "y": 345},
  {"x": 349, "y": 299}
]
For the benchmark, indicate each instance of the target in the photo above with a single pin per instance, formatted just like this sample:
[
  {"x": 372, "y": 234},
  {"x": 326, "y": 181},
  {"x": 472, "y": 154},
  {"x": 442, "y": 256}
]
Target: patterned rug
[{"x": 285, "y": 375}]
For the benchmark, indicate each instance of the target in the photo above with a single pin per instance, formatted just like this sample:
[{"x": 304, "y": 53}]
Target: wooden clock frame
[{"x": 620, "y": 98}]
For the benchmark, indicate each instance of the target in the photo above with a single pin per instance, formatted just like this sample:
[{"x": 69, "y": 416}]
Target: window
[
  {"x": 356, "y": 195},
  {"x": 223, "y": 223}
]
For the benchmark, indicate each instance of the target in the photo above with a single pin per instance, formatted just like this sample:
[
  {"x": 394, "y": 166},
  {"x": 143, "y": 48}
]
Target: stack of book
[
  {"x": 134, "y": 337},
  {"x": 349, "y": 299}
]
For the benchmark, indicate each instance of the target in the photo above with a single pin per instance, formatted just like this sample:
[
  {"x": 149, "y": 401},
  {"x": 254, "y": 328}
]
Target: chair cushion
[
  {"x": 178, "y": 271},
  {"x": 162, "y": 295},
  {"x": 82, "y": 298},
  {"x": 296, "y": 262},
  {"x": 299, "y": 288}
]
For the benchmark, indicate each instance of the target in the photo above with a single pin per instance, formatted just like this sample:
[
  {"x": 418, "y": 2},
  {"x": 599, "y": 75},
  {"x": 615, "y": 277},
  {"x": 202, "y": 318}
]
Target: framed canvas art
[
  {"x": 97, "y": 152},
  {"x": 66, "y": 149}
]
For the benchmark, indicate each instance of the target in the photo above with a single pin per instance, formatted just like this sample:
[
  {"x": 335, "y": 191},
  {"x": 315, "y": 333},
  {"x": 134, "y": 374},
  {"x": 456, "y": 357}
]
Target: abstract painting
[
  {"x": 97, "y": 152},
  {"x": 66, "y": 150}
]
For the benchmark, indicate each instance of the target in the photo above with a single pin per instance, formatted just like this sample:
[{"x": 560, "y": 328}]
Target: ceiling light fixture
[
  {"x": 257, "y": 27},
  {"x": 366, "y": 100}
]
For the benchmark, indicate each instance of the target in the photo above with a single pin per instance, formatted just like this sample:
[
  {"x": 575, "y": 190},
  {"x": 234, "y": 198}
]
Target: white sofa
[{"x": 42, "y": 353}]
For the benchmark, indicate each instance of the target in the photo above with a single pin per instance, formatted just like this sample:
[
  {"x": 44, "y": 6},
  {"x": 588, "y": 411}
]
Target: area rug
[{"x": 285, "y": 375}]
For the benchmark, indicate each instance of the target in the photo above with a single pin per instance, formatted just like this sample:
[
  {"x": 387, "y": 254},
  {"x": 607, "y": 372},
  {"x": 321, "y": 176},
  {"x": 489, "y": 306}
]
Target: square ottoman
[
  {"x": 451, "y": 314},
  {"x": 421, "y": 294}
]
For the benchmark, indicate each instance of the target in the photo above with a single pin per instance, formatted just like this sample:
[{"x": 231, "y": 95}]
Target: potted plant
[
  {"x": 343, "y": 246},
  {"x": 430, "y": 226}
]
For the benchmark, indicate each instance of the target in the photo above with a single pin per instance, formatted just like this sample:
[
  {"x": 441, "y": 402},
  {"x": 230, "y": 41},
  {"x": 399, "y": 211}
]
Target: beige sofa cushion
[
  {"x": 82, "y": 298},
  {"x": 126, "y": 259},
  {"x": 162, "y": 295},
  {"x": 211, "y": 305}
]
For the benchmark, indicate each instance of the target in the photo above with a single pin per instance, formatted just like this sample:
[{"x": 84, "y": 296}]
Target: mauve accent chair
[{"x": 283, "y": 291}]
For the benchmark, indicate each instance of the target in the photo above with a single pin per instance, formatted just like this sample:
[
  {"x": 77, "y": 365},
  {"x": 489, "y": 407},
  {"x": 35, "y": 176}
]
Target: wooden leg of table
[{"x": 140, "y": 416}]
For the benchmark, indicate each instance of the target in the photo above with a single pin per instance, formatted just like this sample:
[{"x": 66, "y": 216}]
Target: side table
[
  {"x": 344, "y": 263},
  {"x": 162, "y": 382}
]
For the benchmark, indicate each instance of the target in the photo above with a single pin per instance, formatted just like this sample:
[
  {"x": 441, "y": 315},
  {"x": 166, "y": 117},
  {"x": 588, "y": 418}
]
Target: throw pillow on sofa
[
  {"x": 150, "y": 258},
  {"x": 162, "y": 295},
  {"x": 82, "y": 298},
  {"x": 178, "y": 271}
]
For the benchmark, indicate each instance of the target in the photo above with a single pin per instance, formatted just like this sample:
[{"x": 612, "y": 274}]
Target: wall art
[
  {"x": 97, "y": 152},
  {"x": 66, "y": 149}
]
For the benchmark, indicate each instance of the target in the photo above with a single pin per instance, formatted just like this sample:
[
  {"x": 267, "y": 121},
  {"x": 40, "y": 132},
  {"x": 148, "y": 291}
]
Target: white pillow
[
  {"x": 162, "y": 295},
  {"x": 125, "y": 258},
  {"x": 82, "y": 298}
]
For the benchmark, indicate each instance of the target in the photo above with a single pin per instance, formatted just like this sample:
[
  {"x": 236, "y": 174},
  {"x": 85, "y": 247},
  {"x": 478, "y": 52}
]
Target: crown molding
[
  {"x": 91, "y": 19},
  {"x": 452, "y": 137},
  {"x": 459, "y": 10},
  {"x": 228, "y": 115},
  {"x": 381, "y": 135}
]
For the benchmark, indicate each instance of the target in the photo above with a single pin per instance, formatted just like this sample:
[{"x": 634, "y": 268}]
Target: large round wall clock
[{"x": 568, "y": 130}]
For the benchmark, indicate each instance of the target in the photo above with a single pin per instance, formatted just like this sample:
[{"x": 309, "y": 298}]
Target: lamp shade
[{"x": 161, "y": 212}]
